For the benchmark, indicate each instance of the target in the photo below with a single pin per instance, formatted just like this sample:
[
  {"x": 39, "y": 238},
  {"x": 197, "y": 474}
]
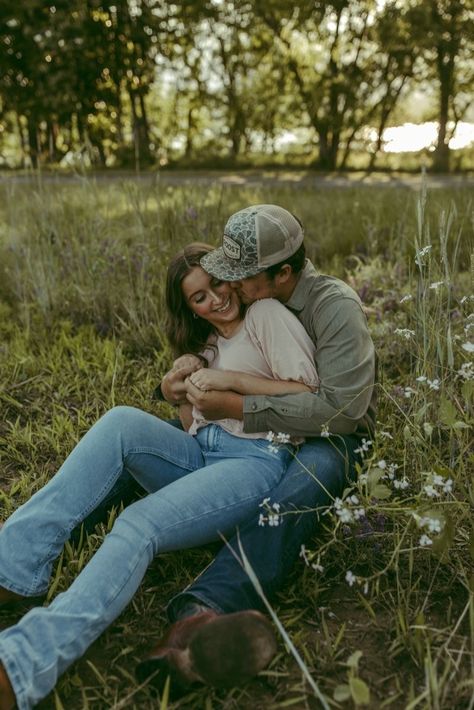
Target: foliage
[
  {"x": 380, "y": 607},
  {"x": 134, "y": 83}
]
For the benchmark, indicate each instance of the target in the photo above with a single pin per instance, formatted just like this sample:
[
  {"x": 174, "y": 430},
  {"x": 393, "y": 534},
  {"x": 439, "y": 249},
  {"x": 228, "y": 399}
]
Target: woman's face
[{"x": 213, "y": 300}]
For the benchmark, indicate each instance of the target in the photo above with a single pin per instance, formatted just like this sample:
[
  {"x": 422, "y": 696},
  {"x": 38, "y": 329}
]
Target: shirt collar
[{"x": 299, "y": 297}]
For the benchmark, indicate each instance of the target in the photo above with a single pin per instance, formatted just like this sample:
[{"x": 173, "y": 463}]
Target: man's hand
[
  {"x": 215, "y": 405},
  {"x": 173, "y": 384}
]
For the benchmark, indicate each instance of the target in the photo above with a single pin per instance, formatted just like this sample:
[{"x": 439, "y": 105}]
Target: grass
[{"x": 378, "y": 618}]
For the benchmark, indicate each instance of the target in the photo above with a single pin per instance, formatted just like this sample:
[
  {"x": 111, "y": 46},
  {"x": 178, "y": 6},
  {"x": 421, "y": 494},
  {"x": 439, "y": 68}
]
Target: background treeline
[{"x": 142, "y": 82}]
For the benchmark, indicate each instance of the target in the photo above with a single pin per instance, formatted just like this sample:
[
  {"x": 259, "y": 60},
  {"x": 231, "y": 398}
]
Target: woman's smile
[{"x": 212, "y": 300}]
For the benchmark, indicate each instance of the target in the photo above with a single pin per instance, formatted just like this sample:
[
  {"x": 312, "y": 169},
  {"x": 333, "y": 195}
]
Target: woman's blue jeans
[{"x": 199, "y": 488}]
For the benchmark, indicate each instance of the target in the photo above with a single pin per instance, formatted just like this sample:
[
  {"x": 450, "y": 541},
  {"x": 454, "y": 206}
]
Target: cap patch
[{"x": 231, "y": 248}]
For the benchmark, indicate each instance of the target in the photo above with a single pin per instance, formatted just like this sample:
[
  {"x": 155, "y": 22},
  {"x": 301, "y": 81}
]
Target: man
[{"x": 263, "y": 255}]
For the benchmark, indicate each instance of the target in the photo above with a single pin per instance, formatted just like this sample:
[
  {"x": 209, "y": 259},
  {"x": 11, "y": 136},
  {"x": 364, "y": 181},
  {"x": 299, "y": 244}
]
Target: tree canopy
[{"x": 143, "y": 81}]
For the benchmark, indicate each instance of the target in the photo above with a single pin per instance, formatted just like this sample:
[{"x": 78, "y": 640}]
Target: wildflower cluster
[
  {"x": 428, "y": 524},
  {"x": 348, "y": 510},
  {"x": 272, "y": 517},
  {"x": 352, "y": 579},
  {"x": 437, "y": 485},
  {"x": 364, "y": 447},
  {"x": 307, "y": 557},
  {"x": 420, "y": 255},
  {"x": 466, "y": 371},
  {"x": 391, "y": 475},
  {"x": 432, "y": 384},
  {"x": 404, "y": 333},
  {"x": 277, "y": 440}
]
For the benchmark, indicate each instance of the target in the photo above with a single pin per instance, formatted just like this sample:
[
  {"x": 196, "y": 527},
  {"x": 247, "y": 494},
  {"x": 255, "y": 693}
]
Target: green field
[{"x": 381, "y": 607}]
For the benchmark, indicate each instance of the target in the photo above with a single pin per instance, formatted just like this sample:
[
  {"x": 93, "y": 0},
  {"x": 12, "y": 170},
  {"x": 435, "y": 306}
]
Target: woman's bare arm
[{"x": 242, "y": 383}]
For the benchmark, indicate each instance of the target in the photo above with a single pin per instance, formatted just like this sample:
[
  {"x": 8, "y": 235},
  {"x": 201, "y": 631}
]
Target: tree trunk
[
  {"x": 441, "y": 153},
  {"x": 23, "y": 142},
  {"x": 32, "y": 143}
]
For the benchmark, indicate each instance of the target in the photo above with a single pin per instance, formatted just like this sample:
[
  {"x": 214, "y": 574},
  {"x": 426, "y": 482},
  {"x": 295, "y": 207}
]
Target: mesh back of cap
[{"x": 279, "y": 234}]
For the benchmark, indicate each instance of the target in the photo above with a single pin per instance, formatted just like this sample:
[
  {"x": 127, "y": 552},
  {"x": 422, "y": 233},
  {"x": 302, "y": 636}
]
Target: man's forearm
[{"x": 307, "y": 414}]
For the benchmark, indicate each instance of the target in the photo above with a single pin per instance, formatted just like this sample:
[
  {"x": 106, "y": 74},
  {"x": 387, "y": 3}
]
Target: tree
[
  {"x": 444, "y": 30},
  {"x": 340, "y": 66}
]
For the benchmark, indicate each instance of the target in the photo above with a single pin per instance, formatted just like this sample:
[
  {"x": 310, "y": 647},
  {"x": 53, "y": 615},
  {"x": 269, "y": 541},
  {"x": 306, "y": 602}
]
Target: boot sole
[{"x": 225, "y": 652}]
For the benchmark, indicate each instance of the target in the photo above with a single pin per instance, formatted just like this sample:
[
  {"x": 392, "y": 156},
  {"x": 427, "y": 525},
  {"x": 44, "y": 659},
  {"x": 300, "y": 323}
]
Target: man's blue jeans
[
  {"x": 199, "y": 487},
  {"x": 321, "y": 470}
]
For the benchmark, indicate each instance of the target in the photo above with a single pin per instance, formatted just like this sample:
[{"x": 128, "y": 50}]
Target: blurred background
[{"x": 342, "y": 85}]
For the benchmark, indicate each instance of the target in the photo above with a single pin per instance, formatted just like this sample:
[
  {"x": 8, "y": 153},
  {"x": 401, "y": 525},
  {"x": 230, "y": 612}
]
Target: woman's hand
[
  {"x": 208, "y": 379},
  {"x": 173, "y": 384}
]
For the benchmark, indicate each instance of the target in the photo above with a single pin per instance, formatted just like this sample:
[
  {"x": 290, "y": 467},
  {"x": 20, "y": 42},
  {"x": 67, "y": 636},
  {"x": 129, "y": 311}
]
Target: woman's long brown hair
[{"x": 185, "y": 333}]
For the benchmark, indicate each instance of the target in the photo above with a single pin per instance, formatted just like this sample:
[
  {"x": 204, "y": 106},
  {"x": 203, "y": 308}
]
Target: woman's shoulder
[{"x": 264, "y": 307}]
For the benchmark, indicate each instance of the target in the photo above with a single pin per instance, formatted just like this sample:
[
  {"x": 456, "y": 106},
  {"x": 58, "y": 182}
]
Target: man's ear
[{"x": 284, "y": 275}]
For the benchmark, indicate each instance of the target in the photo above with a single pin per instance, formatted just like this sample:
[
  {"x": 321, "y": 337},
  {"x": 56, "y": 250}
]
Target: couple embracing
[{"x": 264, "y": 343}]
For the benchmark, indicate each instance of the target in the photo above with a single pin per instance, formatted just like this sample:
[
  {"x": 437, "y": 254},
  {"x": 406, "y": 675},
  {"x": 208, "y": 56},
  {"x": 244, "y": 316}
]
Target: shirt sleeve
[
  {"x": 284, "y": 343},
  {"x": 345, "y": 361}
]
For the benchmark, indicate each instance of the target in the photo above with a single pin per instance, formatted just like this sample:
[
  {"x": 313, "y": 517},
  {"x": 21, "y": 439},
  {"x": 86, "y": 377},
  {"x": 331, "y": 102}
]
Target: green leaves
[
  {"x": 448, "y": 415},
  {"x": 376, "y": 489},
  {"x": 355, "y": 689}
]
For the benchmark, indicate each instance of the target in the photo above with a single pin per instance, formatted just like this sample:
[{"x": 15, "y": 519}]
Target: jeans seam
[{"x": 159, "y": 454}]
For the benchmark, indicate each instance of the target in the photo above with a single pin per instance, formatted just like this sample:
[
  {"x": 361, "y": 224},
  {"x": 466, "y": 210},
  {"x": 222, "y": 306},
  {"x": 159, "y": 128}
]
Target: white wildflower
[
  {"x": 364, "y": 477},
  {"x": 276, "y": 507},
  {"x": 433, "y": 384},
  {"x": 468, "y": 347},
  {"x": 448, "y": 485},
  {"x": 406, "y": 298},
  {"x": 353, "y": 499},
  {"x": 430, "y": 491},
  {"x": 435, "y": 286},
  {"x": 274, "y": 520},
  {"x": 325, "y": 431},
  {"x": 386, "y": 434},
  {"x": 350, "y": 578},
  {"x": 421, "y": 378},
  {"x": 408, "y": 391},
  {"x": 466, "y": 371},
  {"x": 421, "y": 253},
  {"x": 283, "y": 438},
  {"x": 273, "y": 449},
  {"x": 392, "y": 468},
  {"x": 364, "y": 446},
  {"x": 425, "y": 541},
  {"x": 262, "y": 520},
  {"x": 304, "y": 555},
  {"x": 317, "y": 567},
  {"x": 270, "y": 436},
  {"x": 382, "y": 464},
  {"x": 401, "y": 483},
  {"x": 433, "y": 524},
  {"x": 437, "y": 480},
  {"x": 404, "y": 333},
  {"x": 345, "y": 515},
  {"x": 366, "y": 588},
  {"x": 264, "y": 503},
  {"x": 359, "y": 513}
]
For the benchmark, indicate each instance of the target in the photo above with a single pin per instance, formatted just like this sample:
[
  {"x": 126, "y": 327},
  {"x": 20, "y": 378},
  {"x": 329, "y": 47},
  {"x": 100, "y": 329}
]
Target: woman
[{"x": 201, "y": 484}]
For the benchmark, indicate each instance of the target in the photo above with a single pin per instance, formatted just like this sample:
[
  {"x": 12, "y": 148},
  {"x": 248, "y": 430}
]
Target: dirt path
[{"x": 294, "y": 178}]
